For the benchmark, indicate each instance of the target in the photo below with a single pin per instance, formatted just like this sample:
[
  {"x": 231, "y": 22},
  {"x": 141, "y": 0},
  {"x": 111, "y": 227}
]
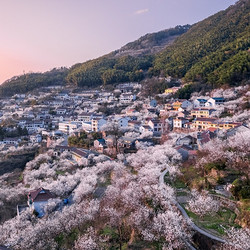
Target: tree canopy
[{"x": 215, "y": 50}]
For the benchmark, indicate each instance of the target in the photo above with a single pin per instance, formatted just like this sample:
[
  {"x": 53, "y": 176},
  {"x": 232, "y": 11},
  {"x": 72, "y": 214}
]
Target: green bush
[
  {"x": 241, "y": 189},
  {"x": 244, "y": 193},
  {"x": 215, "y": 165},
  {"x": 220, "y": 180}
]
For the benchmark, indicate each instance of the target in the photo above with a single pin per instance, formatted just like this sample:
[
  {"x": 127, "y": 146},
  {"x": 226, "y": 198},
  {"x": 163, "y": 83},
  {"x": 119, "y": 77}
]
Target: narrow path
[{"x": 182, "y": 210}]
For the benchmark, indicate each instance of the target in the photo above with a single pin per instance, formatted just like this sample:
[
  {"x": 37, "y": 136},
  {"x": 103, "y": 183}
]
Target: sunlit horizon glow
[{"x": 37, "y": 36}]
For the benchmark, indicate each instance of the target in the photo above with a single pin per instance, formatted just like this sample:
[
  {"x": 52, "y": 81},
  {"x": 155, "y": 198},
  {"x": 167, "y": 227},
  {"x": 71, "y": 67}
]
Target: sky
[{"x": 38, "y": 35}]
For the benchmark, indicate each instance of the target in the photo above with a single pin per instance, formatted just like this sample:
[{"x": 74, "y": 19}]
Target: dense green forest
[
  {"x": 214, "y": 51},
  {"x": 31, "y": 81},
  {"x": 106, "y": 70}
]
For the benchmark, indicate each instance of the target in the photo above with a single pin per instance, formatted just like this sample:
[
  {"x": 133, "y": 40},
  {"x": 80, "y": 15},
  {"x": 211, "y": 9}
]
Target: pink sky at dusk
[{"x": 40, "y": 35}]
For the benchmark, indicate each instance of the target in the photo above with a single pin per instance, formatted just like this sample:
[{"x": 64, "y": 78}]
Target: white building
[
  {"x": 88, "y": 116},
  {"x": 179, "y": 122},
  {"x": 156, "y": 125},
  {"x": 31, "y": 126},
  {"x": 69, "y": 127},
  {"x": 85, "y": 117},
  {"x": 214, "y": 101},
  {"x": 199, "y": 103},
  {"x": 63, "y": 96},
  {"x": 145, "y": 128},
  {"x": 122, "y": 122},
  {"x": 61, "y": 111},
  {"x": 36, "y": 138},
  {"x": 127, "y": 98},
  {"x": 97, "y": 123},
  {"x": 106, "y": 97},
  {"x": 10, "y": 141},
  {"x": 87, "y": 126}
]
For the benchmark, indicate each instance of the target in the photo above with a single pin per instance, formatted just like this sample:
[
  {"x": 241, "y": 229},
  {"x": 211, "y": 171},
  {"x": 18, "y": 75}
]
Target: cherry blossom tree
[
  {"x": 87, "y": 241},
  {"x": 238, "y": 239},
  {"x": 134, "y": 205},
  {"x": 232, "y": 151},
  {"x": 202, "y": 203}
]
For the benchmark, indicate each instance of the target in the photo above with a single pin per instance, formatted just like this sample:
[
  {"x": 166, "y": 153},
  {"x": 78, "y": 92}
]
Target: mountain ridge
[
  {"x": 213, "y": 51},
  {"x": 156, "y": 42},
  {"x": 151, "y": 43}
]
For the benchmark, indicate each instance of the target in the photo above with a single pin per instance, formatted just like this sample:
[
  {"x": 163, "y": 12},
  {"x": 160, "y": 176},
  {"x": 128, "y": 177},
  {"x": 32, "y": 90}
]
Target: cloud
[{"x": 142, "y": 11}]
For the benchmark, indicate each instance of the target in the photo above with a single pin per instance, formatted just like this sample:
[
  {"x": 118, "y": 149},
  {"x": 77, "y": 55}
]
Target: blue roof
[
  {"x": 101, "y": 140},
  {"x": 219, "y": 98},
  {"x": 202, "y": 100}
]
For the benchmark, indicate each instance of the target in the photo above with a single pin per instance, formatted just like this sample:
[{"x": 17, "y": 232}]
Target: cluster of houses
[
  {"x": 58, "y": 113},
  {"x": 175, "y": 115},
  {"x": 55, "y": 108},
  {"x": 196, "y": 115}
]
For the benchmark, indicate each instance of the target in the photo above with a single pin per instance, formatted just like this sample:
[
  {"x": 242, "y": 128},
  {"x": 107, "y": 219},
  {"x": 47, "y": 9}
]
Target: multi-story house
[
  {"x": 85, "y": 117},
  {"x": 206, "y": 123},
  {"x": 201, "y": 112},
  {"x": 10, "y": 141},
  {"x": 127, "y": 98},
  {"x": 199, "y": 103},
  {"x": 176, "y": 105},
  {"x": 203, "y": 123},
  {"x": 69, "y": 127},
  {"x": 32, "y": 126},
  {"x": 61, "y": 111},
  {"x": 214, "y": 101},
  {"x": 155, "y": 124},
  {"x": 185, "y": 104},
  {"x": 134, "y": 124},
  {"x": 145, "y": 128},
  {"x": 97, "y": 123},
  {"x": 179, "y": 122}
]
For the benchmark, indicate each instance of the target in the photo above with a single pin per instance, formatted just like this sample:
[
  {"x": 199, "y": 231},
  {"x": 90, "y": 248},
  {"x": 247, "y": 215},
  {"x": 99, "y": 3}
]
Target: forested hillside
[
  {"x": 130, "y": 63},
  {"x": 215, "y": 50},
  {"x": 106, "y": 70},
  {"x": 152, "y": 43},
  {"x": 31, "y": 81}
]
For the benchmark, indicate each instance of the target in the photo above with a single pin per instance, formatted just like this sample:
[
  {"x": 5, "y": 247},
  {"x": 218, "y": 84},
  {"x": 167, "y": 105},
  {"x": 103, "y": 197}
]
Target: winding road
[{"x": 182, "y": 210}]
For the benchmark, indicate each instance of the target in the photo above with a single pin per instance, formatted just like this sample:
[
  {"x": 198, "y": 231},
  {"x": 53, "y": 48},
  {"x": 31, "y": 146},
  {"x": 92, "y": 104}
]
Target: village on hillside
[
  {"x": 54, "y": 115},
  {"x": 65, "y": 134}
]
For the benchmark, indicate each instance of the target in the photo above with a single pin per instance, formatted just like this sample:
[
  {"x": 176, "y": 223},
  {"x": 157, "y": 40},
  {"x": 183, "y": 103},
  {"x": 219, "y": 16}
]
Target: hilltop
[
  {"x": 151, "y": 43},
  {"x": 31, "y": 81}
]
